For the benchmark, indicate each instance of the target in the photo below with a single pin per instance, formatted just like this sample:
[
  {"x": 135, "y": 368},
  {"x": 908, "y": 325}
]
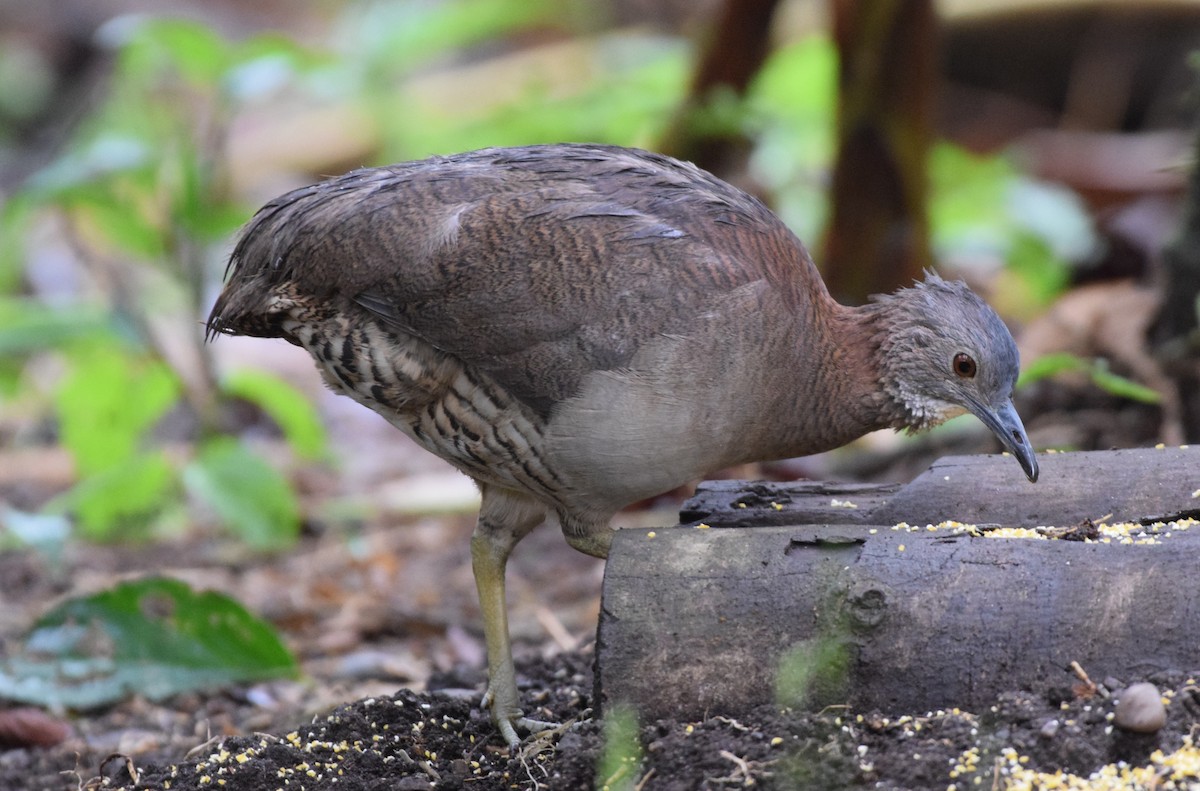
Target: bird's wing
[{"x": 531, "y": 265}]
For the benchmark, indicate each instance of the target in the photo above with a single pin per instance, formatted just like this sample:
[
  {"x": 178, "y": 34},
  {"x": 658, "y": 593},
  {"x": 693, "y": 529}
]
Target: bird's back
[{"x": 537, "y": 265}]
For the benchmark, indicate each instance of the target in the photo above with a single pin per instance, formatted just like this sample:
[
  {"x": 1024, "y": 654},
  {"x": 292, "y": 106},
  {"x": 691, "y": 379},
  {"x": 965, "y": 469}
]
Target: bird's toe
[
  {"x": 511, "y": 727},
  {"x": 510, "y": 720},
  {"x": 534, "y": 726},
  {"x": 508, "y": 732}
]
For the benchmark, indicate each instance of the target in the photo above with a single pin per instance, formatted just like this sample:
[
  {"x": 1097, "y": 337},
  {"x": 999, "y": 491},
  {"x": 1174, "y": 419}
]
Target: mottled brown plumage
[{"x": 577, "y": 327}]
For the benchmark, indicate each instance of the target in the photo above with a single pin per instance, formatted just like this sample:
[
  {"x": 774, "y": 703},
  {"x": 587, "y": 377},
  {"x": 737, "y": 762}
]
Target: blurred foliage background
[{"x": 1038, "y": 150}]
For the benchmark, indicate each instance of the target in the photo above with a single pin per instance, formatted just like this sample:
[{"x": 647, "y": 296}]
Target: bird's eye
[{"x": 964, "y": 365}]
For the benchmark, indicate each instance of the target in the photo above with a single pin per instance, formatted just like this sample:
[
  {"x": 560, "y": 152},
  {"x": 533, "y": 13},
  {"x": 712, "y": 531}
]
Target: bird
[{"x": 578, "y": 327}]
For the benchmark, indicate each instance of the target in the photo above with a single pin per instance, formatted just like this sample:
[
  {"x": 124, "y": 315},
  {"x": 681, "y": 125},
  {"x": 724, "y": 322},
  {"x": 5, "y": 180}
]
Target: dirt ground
[
  {"x": 439, "y": 739},
  {"x": 375, "y": 614}
]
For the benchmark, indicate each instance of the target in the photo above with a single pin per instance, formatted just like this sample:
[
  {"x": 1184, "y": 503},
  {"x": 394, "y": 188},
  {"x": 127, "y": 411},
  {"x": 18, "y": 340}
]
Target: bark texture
[{"x": 715, "y": 621}]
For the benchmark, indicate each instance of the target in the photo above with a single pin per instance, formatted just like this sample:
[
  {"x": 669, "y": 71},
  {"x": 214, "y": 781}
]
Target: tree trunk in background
[
  {"x": 878, "y": 236},
  {"x": 1175, "y": 337},
  {"x": 735, "y": 50}
]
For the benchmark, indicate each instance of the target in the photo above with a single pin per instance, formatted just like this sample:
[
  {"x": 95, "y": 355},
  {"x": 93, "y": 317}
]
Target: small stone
[
  {"x": 1049, "y": 729},
  {"x": 1140, "y": 709}
]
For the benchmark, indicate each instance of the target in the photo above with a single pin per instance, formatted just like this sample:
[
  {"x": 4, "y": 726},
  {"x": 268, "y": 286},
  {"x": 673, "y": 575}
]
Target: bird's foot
[
  {"x": 509, "y": 719},
  {"x": 509, "y": 727}
]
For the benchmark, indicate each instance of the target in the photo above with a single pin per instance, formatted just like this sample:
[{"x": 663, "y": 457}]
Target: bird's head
[{"x": 946, "y": 352}]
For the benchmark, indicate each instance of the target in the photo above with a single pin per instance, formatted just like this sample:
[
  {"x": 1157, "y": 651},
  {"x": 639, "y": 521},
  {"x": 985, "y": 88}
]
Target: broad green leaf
[
  {"x": 194, "y": 49},
  {"x": 968, "y": 203},
  {"x": 27, "y": 326},
  {"x": 287, "y": 406},
  {"x": 800, "y": 80},
  {"x": 122, "y": 500},
  {"x": 11, "y": 372},
  {"x": 16, "y": 214},
  {"x": 1040, "y": 275},
  {"x": 153, "y": 637},
  {"x": 108, "y": 401},
  {"x": 393, "y": 37},
  {"x": 253, "y": 500},
  {"x": 126, "y": 226}
]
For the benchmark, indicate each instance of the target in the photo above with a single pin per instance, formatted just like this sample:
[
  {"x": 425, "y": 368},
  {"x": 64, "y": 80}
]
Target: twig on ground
[{"x": 554, "y": 627}]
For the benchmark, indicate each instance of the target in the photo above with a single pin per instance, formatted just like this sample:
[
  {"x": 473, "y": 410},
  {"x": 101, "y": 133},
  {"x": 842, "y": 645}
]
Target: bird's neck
[
  {"x": 901, "y": 405},
  {"x": 872, "y": 327},
  {"x": 828, "y": 392}
]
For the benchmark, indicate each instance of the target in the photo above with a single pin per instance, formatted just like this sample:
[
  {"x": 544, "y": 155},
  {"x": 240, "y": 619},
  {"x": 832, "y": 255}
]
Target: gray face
[{"x": 950, "y": 353}]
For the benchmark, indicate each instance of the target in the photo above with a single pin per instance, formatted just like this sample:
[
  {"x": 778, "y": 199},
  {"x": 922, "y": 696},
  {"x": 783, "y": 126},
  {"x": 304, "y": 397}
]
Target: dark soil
[{"x": 440, "y": 739}]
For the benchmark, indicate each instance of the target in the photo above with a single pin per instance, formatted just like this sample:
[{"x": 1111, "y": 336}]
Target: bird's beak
[{"x": 1006, "y": 424}]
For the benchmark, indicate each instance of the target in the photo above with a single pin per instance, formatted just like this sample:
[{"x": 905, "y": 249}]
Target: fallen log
[
  {"x": 1123, "y": 485},
  {"x": 701, "y": 621}
]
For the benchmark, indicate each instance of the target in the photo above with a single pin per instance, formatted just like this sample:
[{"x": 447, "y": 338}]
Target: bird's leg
[{"x": 504, "y": 519}]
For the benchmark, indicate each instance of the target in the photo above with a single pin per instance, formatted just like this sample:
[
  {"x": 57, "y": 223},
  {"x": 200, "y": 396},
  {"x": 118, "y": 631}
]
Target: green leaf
[
  {"x": 153, "y": 637},
  {"x": 1055, "y": 214},
  {"x": 27, "y": 326},
  {"x": 278, "y": 45},
  {"x": 1118, "y": 385},
  {"x": 108, "y": 401},
  {"x": 16, "y": 217},
  {"x": 251, "y": 498},
  {"x": 1041, "y": 276},
  {"x": 969, "y": 200},
  {"x": 130, "y": 229},
  {"x": 197, "y": 206},
  {"x": 94, "y": 161},
  {"x": 800, "y": 80},
  {"x": 198, "y": 53},
  {"x": 396, "y": 36},
  {"x": 120, "y": 501},
  {"x": 1048, "y": 365},
  {"x": 1097, "y": 370},
  {"x": 287, "y": 406},
  {"x": 267, "y": 63},
  {"x": 792, "y": 107},
  {"x": 619, "y": 766},
  {"x": 630, "y": 103}
]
